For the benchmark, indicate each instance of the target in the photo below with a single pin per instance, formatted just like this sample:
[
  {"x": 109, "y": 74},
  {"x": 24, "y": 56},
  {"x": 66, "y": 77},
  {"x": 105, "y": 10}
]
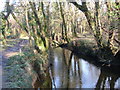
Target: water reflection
[
  {"x": 69, "y": 71},
  {"x": 107, "y": 80}
]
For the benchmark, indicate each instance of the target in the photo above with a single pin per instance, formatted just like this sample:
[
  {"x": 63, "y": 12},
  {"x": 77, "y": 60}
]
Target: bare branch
[{"x": 82, "y": 7}]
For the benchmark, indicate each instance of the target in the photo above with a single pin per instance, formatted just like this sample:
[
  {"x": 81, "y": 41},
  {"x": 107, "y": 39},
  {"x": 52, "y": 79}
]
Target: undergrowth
[
  {"x": 89, "y": 48},
  {"x": 17, "y": 75},
  {"x": 86, "y": 47}
]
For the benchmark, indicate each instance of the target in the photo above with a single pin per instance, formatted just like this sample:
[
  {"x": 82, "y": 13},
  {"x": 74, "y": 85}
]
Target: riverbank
[
  {"x": 23, "y": 67},
  {"x": 10, "y": 66},
  {"x": 88, "y": 50}
]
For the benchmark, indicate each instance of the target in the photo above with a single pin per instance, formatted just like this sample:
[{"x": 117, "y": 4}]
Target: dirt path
[{"x": 5, "y": 55}]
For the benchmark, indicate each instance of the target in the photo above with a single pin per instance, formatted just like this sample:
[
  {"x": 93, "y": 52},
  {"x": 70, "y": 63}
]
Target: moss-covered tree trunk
[{"x": 42, "y": 41}]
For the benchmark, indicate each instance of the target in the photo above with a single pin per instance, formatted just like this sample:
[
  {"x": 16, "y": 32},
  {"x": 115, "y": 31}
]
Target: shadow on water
[{"x": 71, "y": 71}]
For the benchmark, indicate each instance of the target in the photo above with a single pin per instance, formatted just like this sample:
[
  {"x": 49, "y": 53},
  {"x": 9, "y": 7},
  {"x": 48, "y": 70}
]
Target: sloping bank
[{"x": 26, "y": 70}]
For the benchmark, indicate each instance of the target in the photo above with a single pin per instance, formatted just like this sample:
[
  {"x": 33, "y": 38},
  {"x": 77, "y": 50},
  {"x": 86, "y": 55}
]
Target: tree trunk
[
  {"x": 28, "y": 27},
  {"x": 42, "y": 41},
  {"x": 111, "y": 24},
  {"x": 3, "y": 30},
  {"x": 44, "y": 16},
  {"x": 22, "y": 26},
  {"x": 118, "y": 15},
  {"x": 64, "y": 23},
  {"x": 93, "y": 22},
  {"x": 74, "y": 28}
]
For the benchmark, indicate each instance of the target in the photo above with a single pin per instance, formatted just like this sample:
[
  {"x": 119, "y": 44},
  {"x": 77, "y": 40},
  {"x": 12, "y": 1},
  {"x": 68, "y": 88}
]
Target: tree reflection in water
[
  {"x": 70, "y": 71},
  {"x": 106, "y": 76}
]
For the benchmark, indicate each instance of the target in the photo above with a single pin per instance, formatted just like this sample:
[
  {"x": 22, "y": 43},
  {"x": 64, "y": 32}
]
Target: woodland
[{"x": 35, "y": 33}]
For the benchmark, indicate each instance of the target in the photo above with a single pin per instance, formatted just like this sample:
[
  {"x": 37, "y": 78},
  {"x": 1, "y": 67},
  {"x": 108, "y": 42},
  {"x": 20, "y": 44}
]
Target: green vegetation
[
  {"x": 18, "y": 73},
  {"x": 17, "y": 76},
  {"x": 90, "y": 29}
]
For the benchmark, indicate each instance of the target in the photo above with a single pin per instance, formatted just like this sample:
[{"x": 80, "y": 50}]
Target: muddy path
[{"x": 5, "y": 55}]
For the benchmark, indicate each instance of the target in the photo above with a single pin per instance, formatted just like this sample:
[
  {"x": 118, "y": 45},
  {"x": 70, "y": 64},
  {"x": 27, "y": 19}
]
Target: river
[{"x": 69, "y": 71}]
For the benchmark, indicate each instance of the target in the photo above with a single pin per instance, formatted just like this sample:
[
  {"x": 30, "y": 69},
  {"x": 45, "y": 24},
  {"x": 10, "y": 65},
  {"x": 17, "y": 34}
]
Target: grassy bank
[
  {"x": 21, "y": 70},
  {"x": 17, "y": 76}
]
